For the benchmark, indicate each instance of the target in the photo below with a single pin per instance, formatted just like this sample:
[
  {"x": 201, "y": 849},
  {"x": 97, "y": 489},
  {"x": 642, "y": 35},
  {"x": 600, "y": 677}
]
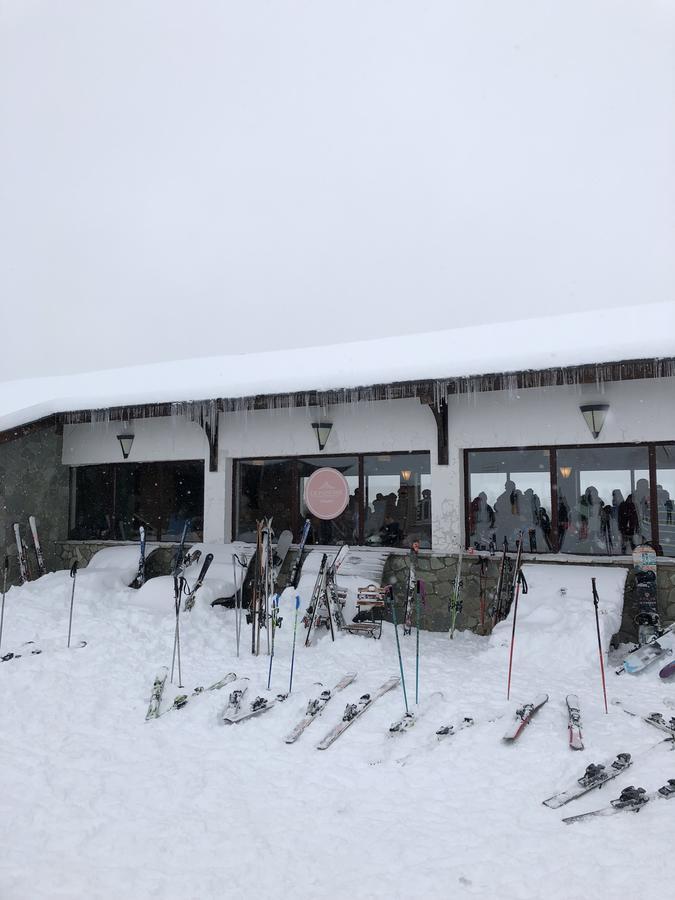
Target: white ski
[
  {"x": 594, "y": 777},
  {"x": 36, "y": 543},
  {"x": 574, "y": 722},
  {"x": 406, "y": 722},
  {"x": 182, "y": 700},
  {"x": 316, "y": 707},
  {"x": 354, "y": 711},
  {"x": 524, "y": 716},
  {"x": 24, "y": 574},
  {"x": 656, "y": 719},
  {"x": 258, "y": 706},
  {"x": 35, "y": 648},
  {"x": 631, "y": 800},
  {"x": 157, "y": 691}
]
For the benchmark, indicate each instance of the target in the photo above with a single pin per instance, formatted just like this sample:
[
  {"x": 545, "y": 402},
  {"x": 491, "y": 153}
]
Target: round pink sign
[{"x": 326, "y": 493}]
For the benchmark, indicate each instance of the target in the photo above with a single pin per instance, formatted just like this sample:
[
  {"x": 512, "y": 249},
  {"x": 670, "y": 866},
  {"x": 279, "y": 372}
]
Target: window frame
[{"x": 553, "y": 449}]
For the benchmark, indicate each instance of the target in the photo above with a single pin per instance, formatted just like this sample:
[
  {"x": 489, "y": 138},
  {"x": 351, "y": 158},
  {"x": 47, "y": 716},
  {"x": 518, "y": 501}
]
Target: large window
[
  {"x": 389, "y": 498},
  {"x": 111, "y": 502},
  {"x": 592, "y": 500}
]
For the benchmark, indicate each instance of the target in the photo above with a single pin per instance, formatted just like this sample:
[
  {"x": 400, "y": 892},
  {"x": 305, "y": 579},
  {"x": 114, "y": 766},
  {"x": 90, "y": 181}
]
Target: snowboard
[
  {"x": 668, "y": 670},
  {"x": 644, "y": 657},
  {"x": 644, "y": 571}
]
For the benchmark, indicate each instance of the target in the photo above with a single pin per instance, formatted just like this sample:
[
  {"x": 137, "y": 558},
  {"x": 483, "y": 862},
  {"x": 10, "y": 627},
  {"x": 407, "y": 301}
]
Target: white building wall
[{"x": 639, "y": 411}]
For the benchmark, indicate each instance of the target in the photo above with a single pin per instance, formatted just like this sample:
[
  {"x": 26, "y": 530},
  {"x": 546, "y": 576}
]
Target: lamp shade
[
  {"x": 594, "y": 413},
  {"x": 126, "y": 440},
  {"x": 322, "y": 430}
]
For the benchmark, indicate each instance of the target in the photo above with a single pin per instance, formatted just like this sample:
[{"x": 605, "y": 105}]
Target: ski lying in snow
[
  {"x": 182, "y": 700},
  {"x": 35, "y": 648},
  {"x": 234, "y": 704},
  {"x": 632, "y": 799},
  {"x": 594, "y": 777},
  {"x": 316, "y": 707},
  {"x": 157, "y": 691},
  {"x": 354, "y": 711},
  {"x": 448, "y": 730},
  {"x": 524, "y": 716},
  {"x": 406, "y": 722},
  {"x": 36, "y": 544},
  {"x": 258, "y": 706},
  {"x": 574, "y": 722},
  {"x": 657, "y": 719}
]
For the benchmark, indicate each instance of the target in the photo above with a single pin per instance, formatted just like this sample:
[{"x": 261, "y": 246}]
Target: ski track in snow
[{"x": 97, "y": 803}]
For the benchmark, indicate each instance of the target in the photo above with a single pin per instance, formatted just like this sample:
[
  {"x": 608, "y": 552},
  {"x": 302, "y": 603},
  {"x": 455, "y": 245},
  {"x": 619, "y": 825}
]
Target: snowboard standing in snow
[
  {"x": 412, "y": 589},
  {"x": 632, "y": 799},
  {"x": 32, "y": 524},
  {"x": 139, "y": 580},
  {"x": 354, "y": 711},
  {"x": 644, "y": 570},
  {"x": 524, "y": 715},
  {"x": 500, "y": 599},
  {"x": 574, "y": 722},
  {"x": 316, "y": 707},
  {"x": 595, "y": 776}
]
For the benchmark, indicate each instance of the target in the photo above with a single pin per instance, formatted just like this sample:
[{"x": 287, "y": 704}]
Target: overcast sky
[{"x": 193, "y": 178}]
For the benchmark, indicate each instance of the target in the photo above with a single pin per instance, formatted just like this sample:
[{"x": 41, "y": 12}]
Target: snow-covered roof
[{"x": 600, "y": 336}]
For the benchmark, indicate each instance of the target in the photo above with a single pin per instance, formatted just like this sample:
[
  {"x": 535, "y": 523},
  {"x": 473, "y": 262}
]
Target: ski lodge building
[{"x": 560, "y": 428}]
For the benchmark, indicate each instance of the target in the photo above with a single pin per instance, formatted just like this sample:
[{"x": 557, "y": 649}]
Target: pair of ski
[
  {"x": 22, "y": 551},
  {"x": 154, "y": 709},
  {"x": 36, "y": 648},
  {"x": 631, "y": 799},
  {"x": 525, "y": 713},
  {"x": 353, "y": 711},
  {"x": 236, "y": 712},
  {"x": 322, "y": 606}
]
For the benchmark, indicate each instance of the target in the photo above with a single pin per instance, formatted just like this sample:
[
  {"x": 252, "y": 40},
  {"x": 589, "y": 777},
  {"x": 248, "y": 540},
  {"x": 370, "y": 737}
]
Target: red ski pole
[
  {"x": 597, "y": 625},
  {"x": 520, "y": 579}
]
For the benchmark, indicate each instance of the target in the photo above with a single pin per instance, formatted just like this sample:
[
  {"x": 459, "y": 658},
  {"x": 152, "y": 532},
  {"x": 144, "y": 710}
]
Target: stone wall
[
  {"x": 33, "y": 482},
  {"x": 439, "y": 572}
]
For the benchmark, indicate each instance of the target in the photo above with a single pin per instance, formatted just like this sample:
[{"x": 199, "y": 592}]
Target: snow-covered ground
[{"x": 97, "y": 803}]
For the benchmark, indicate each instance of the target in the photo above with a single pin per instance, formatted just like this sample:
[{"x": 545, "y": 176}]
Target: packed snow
[
  {"x": 538, "y": 343},
  {"x": 99, "y": 803}
]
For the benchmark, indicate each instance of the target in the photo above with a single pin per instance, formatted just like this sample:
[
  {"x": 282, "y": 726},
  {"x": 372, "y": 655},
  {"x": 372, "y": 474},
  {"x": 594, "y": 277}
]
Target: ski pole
[
  {"x": 597, "y": 626},
  {"x": 520, "y": 580},
  {"x": 237, "y": 600},
  {"x": 275, "y": 610},
  {"x": 5, "y": 572},
  {"x": 398, "y": 647},
  {"x": 177, "y": 591},
  {"x": 295, "y": 628},
  {"x": 73, "y": 575}
]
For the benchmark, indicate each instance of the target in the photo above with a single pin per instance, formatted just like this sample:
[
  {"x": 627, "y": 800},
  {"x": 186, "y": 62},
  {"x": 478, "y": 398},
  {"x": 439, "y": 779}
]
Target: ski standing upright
[{"x": 36, "y": 545}]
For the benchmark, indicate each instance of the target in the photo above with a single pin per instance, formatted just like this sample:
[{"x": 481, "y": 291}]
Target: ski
[
  {"x": 455, "y": 602},
  {"x": 407, "y": 721},
  {"x": 24, "y": 574},
  {"x": 258, "y": 706},
  {"x": 182, "y": 700},
  {"x": 139, "y": 580},
  {"x": 234, "y": 704},
  {"x": 297, "y": 562},
  {"x": 667, "y": 671},
  {"x": 524, "y": 716},
  {"x": 192, "y": 594},
  {"x": 574, "y": 722},
  {"x": 284, "y": 542},
  {"x": 594, "y": 777},
  {"x": 656, "y": 719},
  {"x": 448, "y": 730},
  {"x": 35, "y": 648},
  {"x": 354, "y": 711},
  {"x": 316, "y": 707},
  {"x": 310, "y": 616},
  {"x": 36, "y": 545},
  {"x": 632, "y": 799},
  {"x": 157, "y": 691}
]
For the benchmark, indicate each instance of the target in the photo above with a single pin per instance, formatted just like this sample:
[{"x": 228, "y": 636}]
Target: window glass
[
  {"x": 112, "y": 502},
  {"x": 665, "y": 496},
  {"x": 265, "y": 489},
  {"x": 345, "y": 528},
  {"x": 510, "y": 493},
  {"x": 398, "y": 499},
  {"x": 603, "y": 499}
]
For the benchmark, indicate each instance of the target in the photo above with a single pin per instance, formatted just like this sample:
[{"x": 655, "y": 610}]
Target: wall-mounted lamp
[
  {"x": 594, "y": 413},
  {"x": 406, "y": 474},
  {"x": 565, "y": 471},
  {"x": 323, "y": 430},
  {"x": 126, "y": 440}
]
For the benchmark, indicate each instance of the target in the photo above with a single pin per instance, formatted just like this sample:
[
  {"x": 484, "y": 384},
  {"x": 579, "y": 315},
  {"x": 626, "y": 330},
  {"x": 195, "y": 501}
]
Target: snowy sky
[{"x": 174, "y": 174}]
